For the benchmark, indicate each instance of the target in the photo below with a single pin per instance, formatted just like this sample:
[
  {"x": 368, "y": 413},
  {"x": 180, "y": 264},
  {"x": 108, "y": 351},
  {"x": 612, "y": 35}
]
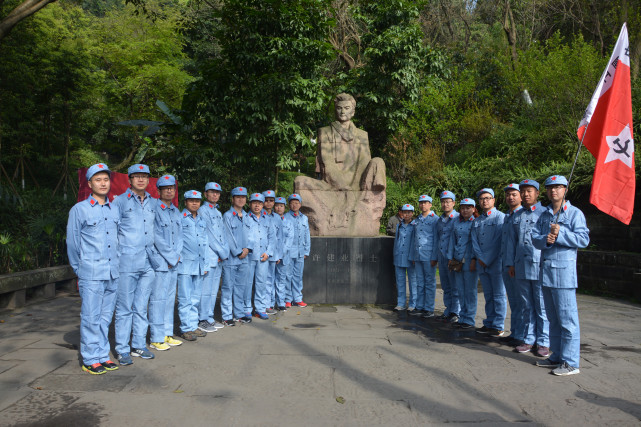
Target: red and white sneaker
[
  {"x": 299, "y": 304},
  {"x": 288, "y": 304}
]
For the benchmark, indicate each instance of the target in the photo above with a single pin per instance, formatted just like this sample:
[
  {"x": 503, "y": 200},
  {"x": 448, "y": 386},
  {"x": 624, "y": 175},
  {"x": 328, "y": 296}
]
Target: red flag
[
  {"x": 119, "y": 184},
  {"x": 606, "y": 129}
]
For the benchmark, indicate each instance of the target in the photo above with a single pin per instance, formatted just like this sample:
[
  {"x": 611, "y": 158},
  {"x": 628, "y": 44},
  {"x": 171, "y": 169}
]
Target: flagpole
[{"x": 576, "y": 158}]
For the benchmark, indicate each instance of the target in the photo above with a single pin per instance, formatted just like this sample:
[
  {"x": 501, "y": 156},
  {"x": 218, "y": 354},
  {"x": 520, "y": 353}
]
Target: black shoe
[
  {"x": 95, "y": 369},
  {"x": 282, "y": 308},
  {"x": 483, "y": 330},
  {"x": 230, "y": 322},
  {"x": 427, "y": 315},
  {"x": 109, "y": 365},
  {"x": 245, "y": 319},
  {"x": 452, "y": 318},
  {"x": 465, "y": 326}
]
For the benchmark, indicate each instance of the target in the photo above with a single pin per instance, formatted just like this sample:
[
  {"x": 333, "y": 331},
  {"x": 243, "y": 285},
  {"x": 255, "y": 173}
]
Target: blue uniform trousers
[
  {"x": 425, "y": 285},
  {"x": 259, "y": 272},
  {"x": 134, "y": 290},
  {"x": 517, "y": 328},
  {"x": 189, "y": 292},
  {"x": 161, "y": 305},
  {"x": 494, "y": 292},
  {"x": 233, "y": 290},
  {"x": 281, "y": 284},
  {"x": 295, "y": 289},
  {"x": 466, "y": 283},
  {"x": 211, "y": 283},
  {"x": 97, "y": 310},
  {"x": 404, "y": 275},
  {"x": 565, "y": 334},
  {"x": 450, "y": 293},
  {"x": 271, "y": 283},
  {"x": 535, "y": 321}
]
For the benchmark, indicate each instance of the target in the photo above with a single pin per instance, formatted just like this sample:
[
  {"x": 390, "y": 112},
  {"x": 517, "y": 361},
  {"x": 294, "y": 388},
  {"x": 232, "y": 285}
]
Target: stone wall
[{"x": 610, "y": 273}]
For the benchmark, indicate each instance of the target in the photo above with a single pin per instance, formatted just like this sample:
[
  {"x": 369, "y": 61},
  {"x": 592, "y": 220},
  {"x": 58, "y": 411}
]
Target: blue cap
[
  {"x": 280, "y": 200},
  {"x": 448, "y": 195},
  {"x": 239, "y": 191},
  {"x": 193, "y": 194},
  {"x": 257, "y": 197},
  {"x": 138, "y": 168},
  {"x": 485, "y": 190},
  {"x": 213, "y": 186},
  {"x": 529, "y": 182},
  {"x": 407, "y": 207},
  {"x": 467, "y": 202},
  {"x": 166, "y": 181},
  {"x": 294, "y": 196},
  {"x": 98, "y": 167},
  {"x": 512, "y": 186},
  {"x": 556, "y": 180},
  {"x": 269, "y": 193},
  {"x": 425, "y": 198}
]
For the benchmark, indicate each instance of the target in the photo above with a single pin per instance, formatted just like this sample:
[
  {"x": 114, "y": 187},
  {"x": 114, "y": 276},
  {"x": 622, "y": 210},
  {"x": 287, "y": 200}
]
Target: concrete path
[{"x": 321, "y": 366}]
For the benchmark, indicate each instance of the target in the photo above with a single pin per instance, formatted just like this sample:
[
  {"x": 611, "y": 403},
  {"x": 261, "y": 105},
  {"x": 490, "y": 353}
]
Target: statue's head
[{"x": 344, "y": 106}]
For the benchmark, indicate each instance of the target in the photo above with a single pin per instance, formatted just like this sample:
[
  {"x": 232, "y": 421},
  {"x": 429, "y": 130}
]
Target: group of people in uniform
[
  {"x": 525, "y": 257},
  {"x": 136, "y": 255}
]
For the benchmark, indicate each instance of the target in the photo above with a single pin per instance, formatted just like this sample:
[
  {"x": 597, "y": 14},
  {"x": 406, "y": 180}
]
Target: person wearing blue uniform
[
  {"x": 92, "y": 247},
  {"x": 560, "y": 231},
  {"x": 524, "y": 266},
  {"x": 138, "y": 258},
  {"x": 462, "y": 263},
  {"x": 194, "y": 265},
  {"x": 218, "y": 251},
  {"x": 168, "y": 241},
  {"x": 513, "y": 201},
  {"x": 404, "y": 270},
  {"x": 486, "y": 241},
  {"x": 281, "y": 254},
  {"x": 439, "y": 256},
  {"x": 235, "y": 267},
  {"x": 275, "y": 222},
  {"x": 260, "y": 234},
  {"x": 425, "y": 273},
  {"x": 298, "y": 247}
]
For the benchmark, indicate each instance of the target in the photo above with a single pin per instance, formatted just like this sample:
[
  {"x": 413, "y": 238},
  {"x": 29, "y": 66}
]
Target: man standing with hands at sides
[
  {"x": 261, "y": 236},
  {"x": 403, "y": 268},
  {"x": 298, "y": 248},
  {"x": 282, "y": 238},
  {"x": 218, "y": 251},
  {"x": 92, "y": 247},
  {"x": 439, "y": 256},
  {"x": 168, "y": 240},
  {"x": 235, "y": 267},
  {"x": 486, "y": 241},
  {"x": 275, "y": 222},
  {"x": 425, "y": 273},
  {"x": 513, "y": 201},
  {"x": 193, "y": 267},
  {"x": 524, "y": 267},
  {"x": 559, "y": 232},
  {"x": 138, "y": 259}
]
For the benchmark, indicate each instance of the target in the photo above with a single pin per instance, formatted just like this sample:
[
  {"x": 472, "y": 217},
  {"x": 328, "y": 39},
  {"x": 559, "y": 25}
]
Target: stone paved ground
[{"x": 320, "y": 366}]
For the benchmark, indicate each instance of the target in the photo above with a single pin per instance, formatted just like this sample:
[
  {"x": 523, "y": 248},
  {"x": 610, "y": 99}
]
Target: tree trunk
[
  {"x": 510, "y": 31},
  {"x": 20, "y": 12}
]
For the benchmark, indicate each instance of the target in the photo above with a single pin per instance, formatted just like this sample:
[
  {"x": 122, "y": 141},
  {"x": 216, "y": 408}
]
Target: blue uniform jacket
[
  {"x": 486, "y": 236},
  {"x": 524, "y": 256},
  {"x": 424, "y": 237},
  {"x": 235, "y": 236},
  {"x": 260, "y": 234},
  {"x": 296, "y": 228},
  {"x": 195, "y": 254},
  {"x": 403, "y": 244},
  {"x": 136, "y": 232},
  {"x": 168, "y": 237},
  {"x": 92, "y": 240},
  {"x": 276, "y": 224},
  {"x": 558, "y": 260},
  {"x": 218, "y": 247},
  {"x": 460, "y": 246},
  {"x": 506, "y": 252},
  {"x": 443, "y": 230}
]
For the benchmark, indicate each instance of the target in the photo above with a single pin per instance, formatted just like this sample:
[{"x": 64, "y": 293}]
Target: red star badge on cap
[
  {"x": 166, "y": 177},
  {"x": 193, "y": 192},
  {"x": 526, "y": 180},
  {"x": 553, "y": 178},
  {"x": 141, "y": 167},
  {"x": 100, "y": 166}
]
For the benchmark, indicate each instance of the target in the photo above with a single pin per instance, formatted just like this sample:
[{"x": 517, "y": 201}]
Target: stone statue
[{"x": 349, "y": 197}]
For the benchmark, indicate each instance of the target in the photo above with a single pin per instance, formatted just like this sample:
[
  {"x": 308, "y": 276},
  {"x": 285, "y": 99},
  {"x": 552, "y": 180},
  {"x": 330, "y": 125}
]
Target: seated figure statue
[{"x": 349, "y": 197}]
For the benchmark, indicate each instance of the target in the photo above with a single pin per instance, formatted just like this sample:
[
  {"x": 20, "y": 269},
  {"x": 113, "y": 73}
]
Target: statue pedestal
[
  {"x": 350, "y": 270},
  {"x": 343, "y": 213}
]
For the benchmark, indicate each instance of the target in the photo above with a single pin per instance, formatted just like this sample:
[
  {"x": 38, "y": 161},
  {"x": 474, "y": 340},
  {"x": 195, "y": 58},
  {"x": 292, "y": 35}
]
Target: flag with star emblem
[{"x": 606, "y": 131}]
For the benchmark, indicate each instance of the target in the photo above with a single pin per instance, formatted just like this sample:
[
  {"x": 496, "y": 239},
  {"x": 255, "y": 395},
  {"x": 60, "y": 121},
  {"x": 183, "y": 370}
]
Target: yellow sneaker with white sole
[
  {"x": 172, "y": 341},
  {"x": 160, "y": 346}
]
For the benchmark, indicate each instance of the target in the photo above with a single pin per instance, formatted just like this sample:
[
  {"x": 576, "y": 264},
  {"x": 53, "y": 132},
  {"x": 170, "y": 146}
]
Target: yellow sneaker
[
  {"x": 172, "y": 341},
  {"x": 160, "y": 346}
]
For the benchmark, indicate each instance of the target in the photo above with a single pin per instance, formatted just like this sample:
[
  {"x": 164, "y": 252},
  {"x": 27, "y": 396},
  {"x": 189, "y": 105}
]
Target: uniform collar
[
  {"x": 295, "y": 215},
  {"x": 490, "y": 212},
  {"x": 519, "y": 207},
  {"x": 535, "y": 207},
  {"x": 564, "y": 208},
  {"x": 452, "y": 214},
  {"x": 187, "y": 214},
  {"x": 165, "y": 206},
  {"x": 94, "y": 202}
]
